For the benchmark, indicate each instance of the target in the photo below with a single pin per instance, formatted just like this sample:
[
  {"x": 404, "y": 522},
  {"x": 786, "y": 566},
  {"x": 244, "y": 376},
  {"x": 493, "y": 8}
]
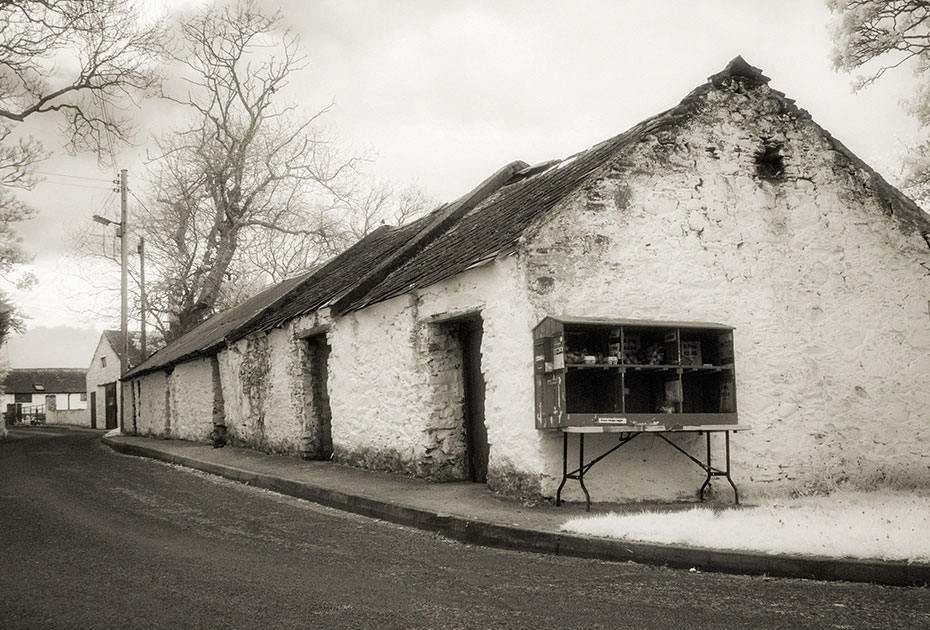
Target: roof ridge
[
  {"x": 424, "y": 237},
  {"x": 323, "y": 270},
  {"x": 536, "y": 190}
]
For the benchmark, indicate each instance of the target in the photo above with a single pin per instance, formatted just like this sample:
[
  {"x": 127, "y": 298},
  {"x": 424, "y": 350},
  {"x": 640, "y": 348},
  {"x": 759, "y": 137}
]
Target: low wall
[{"x": 77, "y": 417}]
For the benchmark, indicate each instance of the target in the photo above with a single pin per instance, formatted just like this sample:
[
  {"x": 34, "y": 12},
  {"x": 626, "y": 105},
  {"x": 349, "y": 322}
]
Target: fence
[{"x": 24, "y": 414}]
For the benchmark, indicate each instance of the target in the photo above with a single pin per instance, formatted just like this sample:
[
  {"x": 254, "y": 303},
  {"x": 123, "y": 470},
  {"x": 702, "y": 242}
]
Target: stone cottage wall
[
  {"x": 746, "y": 215},
  {"x": 378, "y": 391},
  {"x": 263, "y": 379},
  {"x": 177, "y": 403},
  {"x": 150, "y": 404},
  {"x": 396, "y": 390},
  {"x": 828, "y": 294},
  {"x": 191, "y": 401}
]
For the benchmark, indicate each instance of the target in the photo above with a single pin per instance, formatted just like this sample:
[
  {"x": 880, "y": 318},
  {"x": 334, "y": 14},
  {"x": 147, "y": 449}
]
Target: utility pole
[
  {"x": 124, "y": 289},
  {"x": 142, "y": 304},
  {"x": 122, "y": 231}
]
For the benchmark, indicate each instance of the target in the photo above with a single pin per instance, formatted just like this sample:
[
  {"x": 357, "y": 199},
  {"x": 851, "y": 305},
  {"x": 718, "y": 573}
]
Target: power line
[
  {"x": 141, "y": 203},
  {"x": 93, "y": 179},
  {"x": 74, "y": 185},
  {"x": 106, "y": 128}
]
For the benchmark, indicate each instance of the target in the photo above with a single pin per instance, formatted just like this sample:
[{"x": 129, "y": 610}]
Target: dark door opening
[
  {"x": 109, "y": 395},
  {"x": 93, "y": 410},
  {"x": 476, "y": 433},
  {"x": 317, "y": 435}
]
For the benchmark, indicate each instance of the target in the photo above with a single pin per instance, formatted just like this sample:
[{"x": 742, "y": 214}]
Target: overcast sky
[{"x": 447, "y": 92}]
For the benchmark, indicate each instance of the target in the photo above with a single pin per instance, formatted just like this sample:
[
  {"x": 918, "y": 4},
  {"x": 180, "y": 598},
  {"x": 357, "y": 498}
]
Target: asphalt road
[{"x": 93, "y": 539}]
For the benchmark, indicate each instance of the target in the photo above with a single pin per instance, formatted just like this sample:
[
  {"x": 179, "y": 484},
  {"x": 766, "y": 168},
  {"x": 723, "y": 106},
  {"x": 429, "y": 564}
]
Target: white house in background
[
  {"x": 36, "y": 392},
  {"x": 103, "y": 376}
]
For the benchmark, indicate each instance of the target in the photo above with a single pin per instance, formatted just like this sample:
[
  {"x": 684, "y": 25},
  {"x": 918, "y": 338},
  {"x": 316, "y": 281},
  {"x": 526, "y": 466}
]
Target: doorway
[
  {"x": 93, "y": 410},
  {"x": 470, "y": 332},
  {"x": 109, "y": 398},
  {"x": 317, "y": 438}
]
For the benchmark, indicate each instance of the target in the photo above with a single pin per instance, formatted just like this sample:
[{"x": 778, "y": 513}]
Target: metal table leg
[
  {"x": 583, "y": 467},
  {"x": 712, "y": 472},
  {"x": 732, "y": 485},
  {"x": 558, "y": 493},
  {"x": 709, "y": 469},
  {"x": 581, "y": 470}
]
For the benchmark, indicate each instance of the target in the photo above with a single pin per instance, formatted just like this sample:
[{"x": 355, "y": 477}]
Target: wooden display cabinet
[{"x": 603, "y": 372}]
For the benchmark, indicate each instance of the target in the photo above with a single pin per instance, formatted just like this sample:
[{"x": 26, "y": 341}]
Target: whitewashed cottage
[{"x": 413, "y": 351}]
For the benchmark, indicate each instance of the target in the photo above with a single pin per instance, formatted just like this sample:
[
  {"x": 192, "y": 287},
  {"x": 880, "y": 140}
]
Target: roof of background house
[
  {"x": 135, "y": 345},
  {"x": 45, "y": 381},
  {"x": 212, "y": 333}
]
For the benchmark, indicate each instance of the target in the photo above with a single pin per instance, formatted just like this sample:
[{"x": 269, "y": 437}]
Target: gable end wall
[{"x": 826, "y": 290}]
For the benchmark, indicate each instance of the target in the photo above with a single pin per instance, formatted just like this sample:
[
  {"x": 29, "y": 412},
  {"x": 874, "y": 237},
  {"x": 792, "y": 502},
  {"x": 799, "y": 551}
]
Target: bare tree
[
  {"x": 17, "y": 161},
  {"x": 876, "y": 36},
  {"x": 253, "y": 189},
  {"x": 76, "y": 60},
  {"x": 79, "y": 59}
]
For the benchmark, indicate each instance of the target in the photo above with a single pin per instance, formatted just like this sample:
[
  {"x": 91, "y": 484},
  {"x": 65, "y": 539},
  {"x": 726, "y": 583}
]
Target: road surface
[{"x": 93, "y": 539}]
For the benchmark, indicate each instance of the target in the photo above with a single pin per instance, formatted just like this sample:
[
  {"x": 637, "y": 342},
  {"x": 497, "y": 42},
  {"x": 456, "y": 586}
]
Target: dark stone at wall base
[
  {"x": 219, "y": 435},
  {"x": 392, "y": 461},
  {"x": 516, "y": 484}
]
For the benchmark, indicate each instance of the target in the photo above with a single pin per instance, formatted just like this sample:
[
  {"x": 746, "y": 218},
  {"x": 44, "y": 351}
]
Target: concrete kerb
[{"x": 477, "y": 532}]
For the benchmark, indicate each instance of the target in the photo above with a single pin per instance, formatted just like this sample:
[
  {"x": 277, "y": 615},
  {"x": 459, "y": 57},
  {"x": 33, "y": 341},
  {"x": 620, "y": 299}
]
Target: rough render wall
[
  {"x": 828, "y": 294},
  {"x": 378, "y": 388},
  {"x": 263, "y": 378},
  {"x": 149, "y": 402},
  {"x": 191, "y": 400},
  {"x": 173, "y": 404},
  {"x": 395, "y": 381}
]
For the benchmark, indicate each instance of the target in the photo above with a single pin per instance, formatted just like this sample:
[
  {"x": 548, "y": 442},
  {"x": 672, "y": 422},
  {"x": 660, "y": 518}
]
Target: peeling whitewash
[
  {"x": 826, "y": 290},
  {"x": 177, "y": 403},
  {"x": 827, "y": 294},
  {"x": 263, "y": 380},
  {"x": 395, "y": 377}
]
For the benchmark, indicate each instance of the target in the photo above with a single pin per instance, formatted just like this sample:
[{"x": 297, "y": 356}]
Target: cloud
[
  {"x": 59, "y": 346},
  {"x": 447, "y": 92}
]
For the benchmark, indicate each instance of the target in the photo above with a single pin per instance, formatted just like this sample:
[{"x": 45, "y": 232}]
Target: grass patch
[{"x": 880, "y": 525}]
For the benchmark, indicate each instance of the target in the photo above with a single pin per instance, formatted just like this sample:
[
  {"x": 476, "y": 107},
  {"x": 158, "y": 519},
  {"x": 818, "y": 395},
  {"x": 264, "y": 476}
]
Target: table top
[{"x": 655, "y": 428}]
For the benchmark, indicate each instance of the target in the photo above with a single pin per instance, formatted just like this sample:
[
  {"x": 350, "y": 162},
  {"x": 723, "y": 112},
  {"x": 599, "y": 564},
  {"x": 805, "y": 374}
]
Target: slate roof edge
[
  {"x": 416, "y": 244},
  {"x": 200, "y": 352},
  {"x": 250, "y": 326},
  {"x": 902, "y": 207},
  {"x": 153, "y": 362}
]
